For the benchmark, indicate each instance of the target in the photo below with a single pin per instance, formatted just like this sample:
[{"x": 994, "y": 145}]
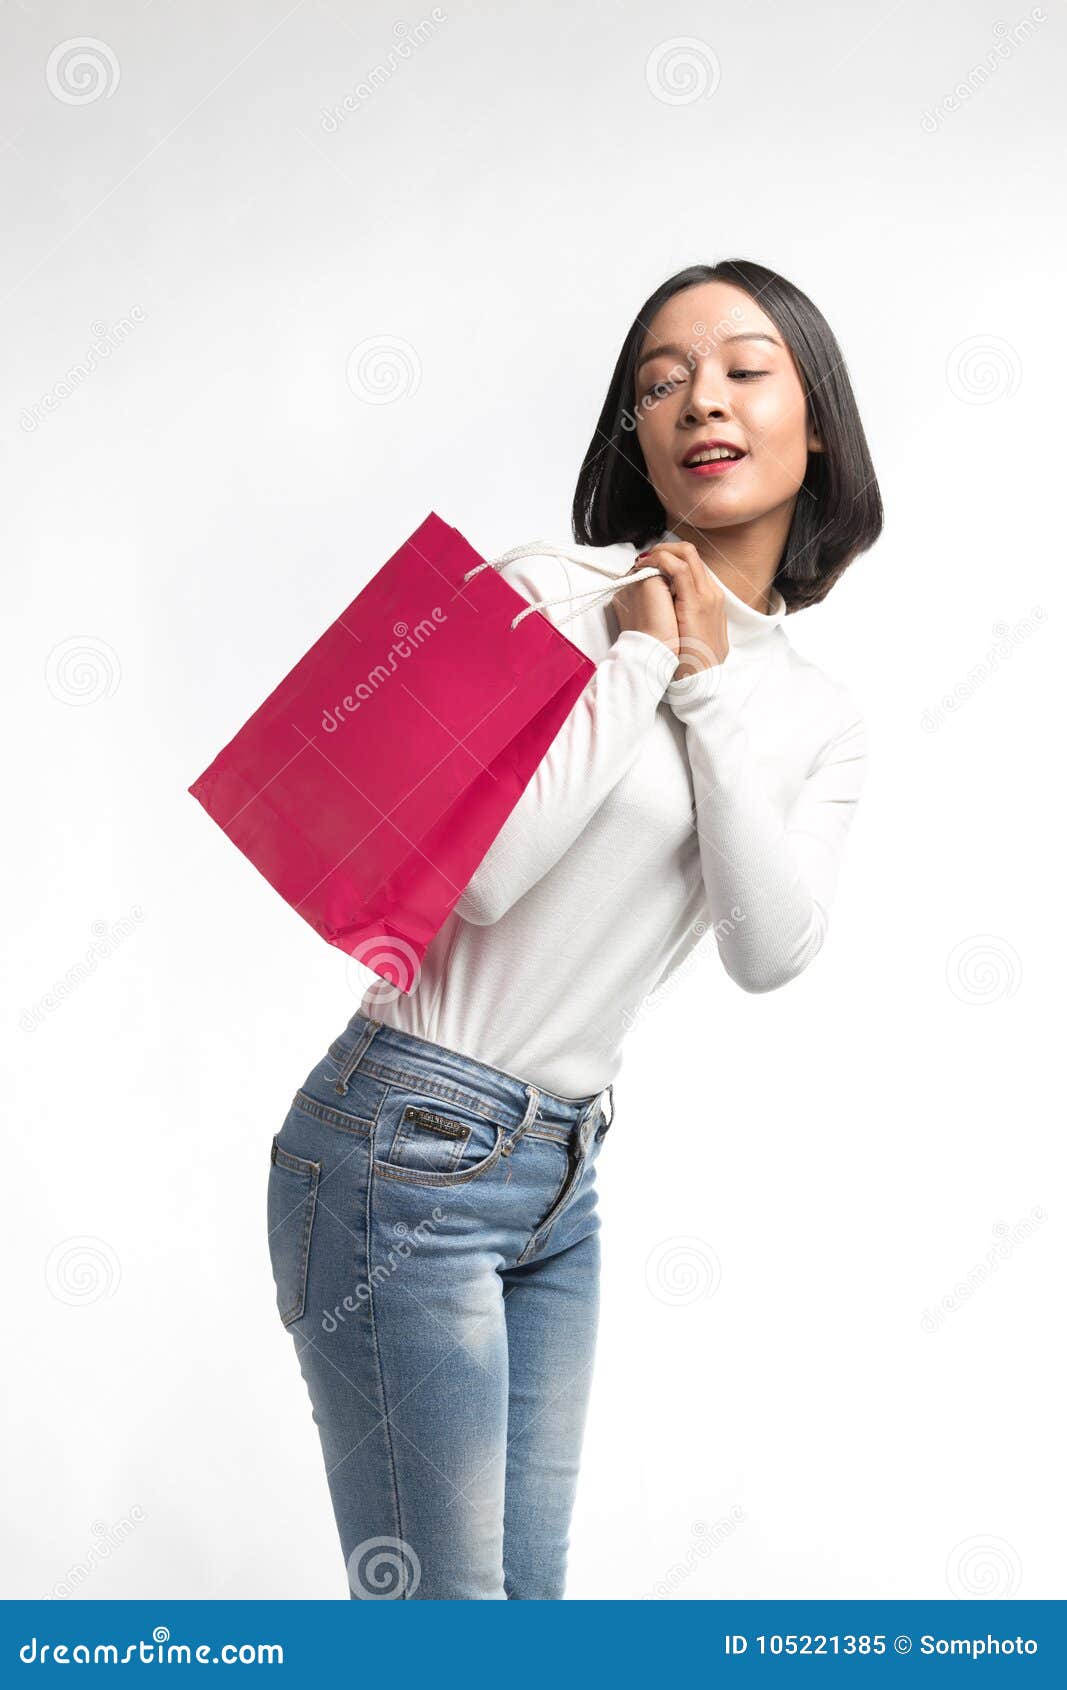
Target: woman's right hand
[{"x": 647, "y": 606}]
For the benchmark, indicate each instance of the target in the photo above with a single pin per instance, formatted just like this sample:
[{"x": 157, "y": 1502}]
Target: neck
[{"x": 745, "y": 558}]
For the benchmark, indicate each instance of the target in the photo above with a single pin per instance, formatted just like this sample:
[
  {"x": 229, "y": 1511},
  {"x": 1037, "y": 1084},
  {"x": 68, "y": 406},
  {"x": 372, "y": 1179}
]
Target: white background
[{"x": 794, "y": 1181}]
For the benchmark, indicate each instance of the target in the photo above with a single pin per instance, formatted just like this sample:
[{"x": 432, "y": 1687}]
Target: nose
[
  {"x": 707, "y": 395},
  {"x": 700, "y": 409}
]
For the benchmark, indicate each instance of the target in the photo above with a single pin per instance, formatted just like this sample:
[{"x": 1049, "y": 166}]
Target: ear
[{"x": 814, "y": 442}]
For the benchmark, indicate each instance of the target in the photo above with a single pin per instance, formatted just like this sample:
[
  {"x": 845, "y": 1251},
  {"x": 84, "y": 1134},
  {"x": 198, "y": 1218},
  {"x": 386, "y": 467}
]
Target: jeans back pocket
[{"x": 292, "y": 1189}]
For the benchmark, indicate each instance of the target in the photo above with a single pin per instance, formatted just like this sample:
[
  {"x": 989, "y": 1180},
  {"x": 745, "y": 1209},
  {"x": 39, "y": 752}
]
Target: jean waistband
[{"x": 389, "y": 1053}]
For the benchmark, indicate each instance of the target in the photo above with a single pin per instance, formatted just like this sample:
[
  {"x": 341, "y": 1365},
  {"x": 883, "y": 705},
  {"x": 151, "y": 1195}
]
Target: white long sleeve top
[{"x": 664, "y": 814}]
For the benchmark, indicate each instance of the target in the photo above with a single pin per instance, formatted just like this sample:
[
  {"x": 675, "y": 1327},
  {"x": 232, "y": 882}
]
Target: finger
[
  {"x": 670, "y": 556},
  {"x": 646, "y": 562},
  {"x": 690, "y": 577},
  {"x": 665, "y": 548},
  {"x": 679, "y": 570}
]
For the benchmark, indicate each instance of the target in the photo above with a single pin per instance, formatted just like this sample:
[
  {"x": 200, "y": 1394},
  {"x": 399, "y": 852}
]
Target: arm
[
  {"x": 588, "y": 757},
  {"x": 769, "y": 879}
]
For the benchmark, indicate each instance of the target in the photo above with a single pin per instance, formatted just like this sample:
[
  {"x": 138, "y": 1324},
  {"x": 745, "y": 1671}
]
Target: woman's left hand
[{"x": 699, "y": 605}]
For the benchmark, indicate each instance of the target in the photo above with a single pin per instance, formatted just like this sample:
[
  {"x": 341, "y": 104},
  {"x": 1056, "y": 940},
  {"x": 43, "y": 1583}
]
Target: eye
[
  {"x": 659, "y": 390},
  {"x": 739, "y": 373}
]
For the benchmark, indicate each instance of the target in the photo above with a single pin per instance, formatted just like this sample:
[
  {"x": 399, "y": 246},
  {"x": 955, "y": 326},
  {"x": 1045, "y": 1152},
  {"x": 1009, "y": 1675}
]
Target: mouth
[{"x": 715, "y": 458}]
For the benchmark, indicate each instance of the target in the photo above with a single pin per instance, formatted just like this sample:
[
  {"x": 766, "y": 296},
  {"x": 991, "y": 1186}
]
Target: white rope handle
[{"x": 593, "y": 594}]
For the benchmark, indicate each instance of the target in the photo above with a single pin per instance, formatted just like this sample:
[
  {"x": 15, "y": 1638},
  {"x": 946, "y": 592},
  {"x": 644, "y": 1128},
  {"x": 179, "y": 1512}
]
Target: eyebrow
[{"x": 669, "y": 346}]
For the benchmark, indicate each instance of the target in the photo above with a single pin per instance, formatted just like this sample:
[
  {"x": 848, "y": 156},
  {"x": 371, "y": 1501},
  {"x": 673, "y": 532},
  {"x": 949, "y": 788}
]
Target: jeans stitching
[
  {"x": 499, "y": 1073},
  {"x": 438, "y": 1088},
  {"x": 363, "y": 1041},
  {"x": 404, "y": 1139},
  {"x": 358, "y": 1124},
  {"x": 386, "y": 1170},
  {"x": 576, "y": 1166},
  {"x": 379, "y": 1367},
  {"x": 449, "y": 1093},
  {"x": 313, "y": 1169}
]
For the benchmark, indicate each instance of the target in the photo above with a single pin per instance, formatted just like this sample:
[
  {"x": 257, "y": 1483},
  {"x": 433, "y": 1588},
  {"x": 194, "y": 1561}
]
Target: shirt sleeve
[
  {"x": 768, "y": 878},
  {"x": 588, "y": 757}
]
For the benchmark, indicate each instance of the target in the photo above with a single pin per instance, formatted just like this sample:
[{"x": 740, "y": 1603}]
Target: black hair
[{"x": 615, "y": 501}]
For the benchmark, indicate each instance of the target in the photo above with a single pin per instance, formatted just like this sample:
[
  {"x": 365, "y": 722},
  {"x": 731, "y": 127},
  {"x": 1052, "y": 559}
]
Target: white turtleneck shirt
[{"x": 710, "y": 811}]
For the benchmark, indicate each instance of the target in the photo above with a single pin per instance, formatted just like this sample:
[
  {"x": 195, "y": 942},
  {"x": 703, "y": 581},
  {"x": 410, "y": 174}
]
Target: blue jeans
[{"x": 434, "y": 1243}]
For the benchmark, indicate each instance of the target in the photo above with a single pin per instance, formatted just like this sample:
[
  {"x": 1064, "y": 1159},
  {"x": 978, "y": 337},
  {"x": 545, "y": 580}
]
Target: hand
[
  {"x": 703, "y": 639},
  {"x": 648, "y": 607}
]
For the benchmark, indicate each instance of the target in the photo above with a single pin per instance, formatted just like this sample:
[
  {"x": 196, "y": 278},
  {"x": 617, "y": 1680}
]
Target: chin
[{"x": 714, "y": 511}]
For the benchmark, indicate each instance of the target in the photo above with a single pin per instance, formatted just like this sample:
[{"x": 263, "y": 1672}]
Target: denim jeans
[{"x": 434, "y": 1242}]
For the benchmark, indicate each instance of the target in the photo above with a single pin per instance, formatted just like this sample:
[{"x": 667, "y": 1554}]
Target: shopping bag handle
[{"x": 594, "y": 595}]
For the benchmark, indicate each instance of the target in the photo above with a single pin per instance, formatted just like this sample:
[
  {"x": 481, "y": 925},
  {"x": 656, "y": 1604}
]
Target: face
[{"x": 720, "y": 370}]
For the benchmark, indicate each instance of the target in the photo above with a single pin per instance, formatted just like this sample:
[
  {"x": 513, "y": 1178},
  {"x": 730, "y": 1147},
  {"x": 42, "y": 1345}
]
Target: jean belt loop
[
  {"x": 607, "y": 1095},
  {"x": 531, "y": 1113},
  {"x": 356, "y": 1054}
]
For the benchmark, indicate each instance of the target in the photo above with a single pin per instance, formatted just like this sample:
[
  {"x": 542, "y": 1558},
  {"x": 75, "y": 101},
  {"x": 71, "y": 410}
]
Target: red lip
[
  {"x": 699, "y": 446},
  {"x": 720, "y": 467}
]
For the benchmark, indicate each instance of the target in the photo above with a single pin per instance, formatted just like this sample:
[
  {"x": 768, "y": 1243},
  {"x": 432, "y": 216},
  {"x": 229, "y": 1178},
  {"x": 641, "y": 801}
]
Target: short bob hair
[{"x": 615, "y": 501}]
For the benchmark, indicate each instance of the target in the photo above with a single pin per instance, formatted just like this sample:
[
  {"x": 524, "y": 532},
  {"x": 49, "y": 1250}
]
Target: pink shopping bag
[{"x": 370, "y": 784}]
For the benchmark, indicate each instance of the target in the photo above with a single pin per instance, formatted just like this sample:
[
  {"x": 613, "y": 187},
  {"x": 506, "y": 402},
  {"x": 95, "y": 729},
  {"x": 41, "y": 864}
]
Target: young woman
[{"x": 433, "y": 1219}]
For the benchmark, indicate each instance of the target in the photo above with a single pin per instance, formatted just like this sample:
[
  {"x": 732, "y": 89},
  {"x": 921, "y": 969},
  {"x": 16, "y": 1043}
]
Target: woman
[{"x": 433, "y": 1220}]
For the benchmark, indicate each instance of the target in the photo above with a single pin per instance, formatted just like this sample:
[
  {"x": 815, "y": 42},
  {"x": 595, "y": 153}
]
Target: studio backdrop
[{"x": 279, "y": 281}]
